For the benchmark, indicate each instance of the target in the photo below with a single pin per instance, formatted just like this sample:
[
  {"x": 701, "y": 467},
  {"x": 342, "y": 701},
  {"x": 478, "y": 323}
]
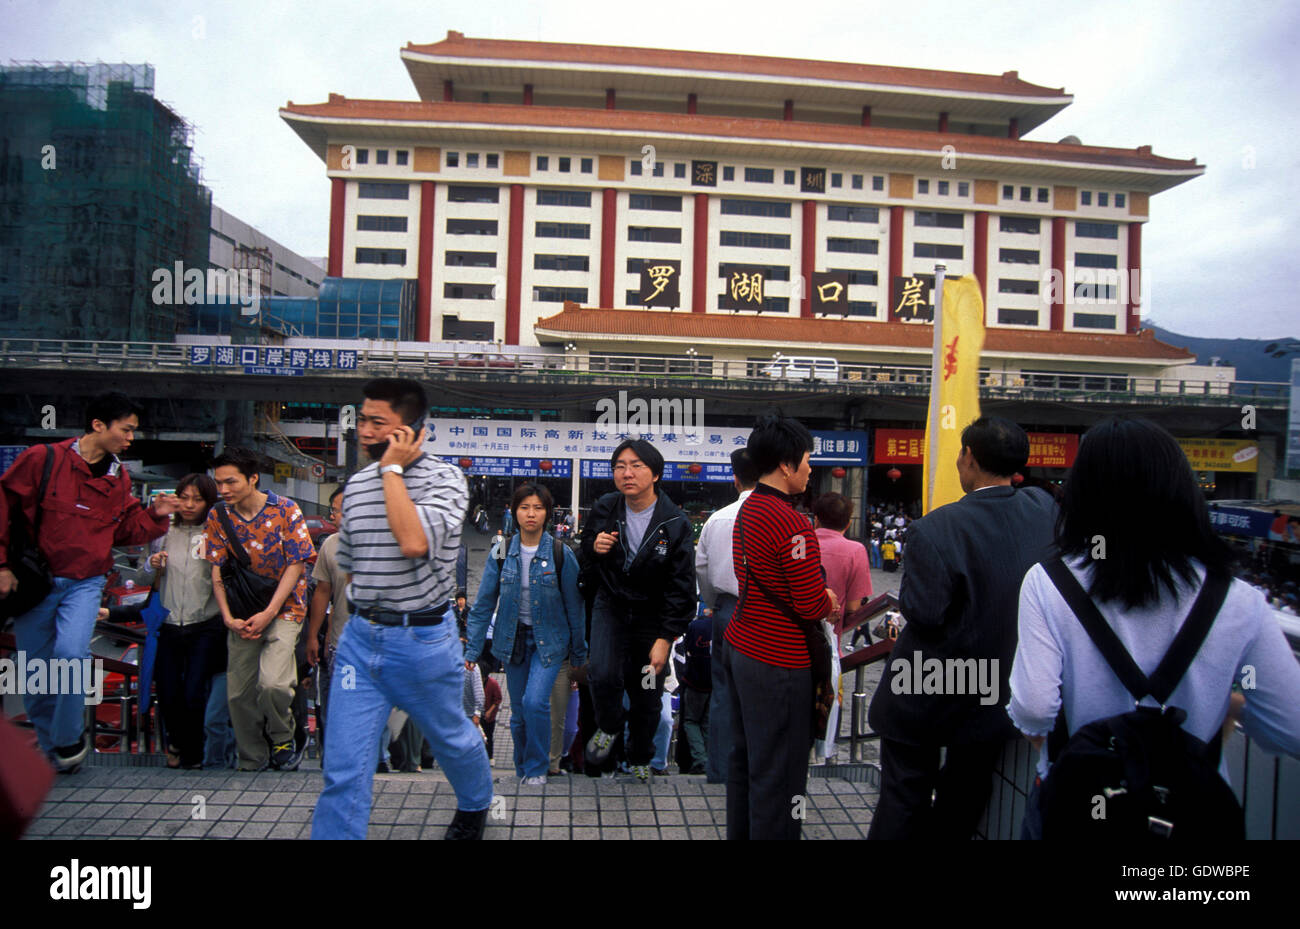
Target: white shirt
[{"x": 715, "y": 573}]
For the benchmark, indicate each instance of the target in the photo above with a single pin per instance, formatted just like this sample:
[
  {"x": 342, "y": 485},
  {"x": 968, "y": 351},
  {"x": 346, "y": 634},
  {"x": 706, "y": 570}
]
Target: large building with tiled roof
[{"x": 736, "y": 203}]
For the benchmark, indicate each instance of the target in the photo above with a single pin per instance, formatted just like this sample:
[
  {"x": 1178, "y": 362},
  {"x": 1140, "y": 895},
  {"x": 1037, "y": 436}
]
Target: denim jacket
[{"x": 558, "y": 613}]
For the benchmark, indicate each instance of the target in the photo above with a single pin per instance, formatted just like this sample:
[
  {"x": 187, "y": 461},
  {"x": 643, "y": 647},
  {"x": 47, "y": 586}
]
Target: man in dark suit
[{"x": 959, "y": 595}]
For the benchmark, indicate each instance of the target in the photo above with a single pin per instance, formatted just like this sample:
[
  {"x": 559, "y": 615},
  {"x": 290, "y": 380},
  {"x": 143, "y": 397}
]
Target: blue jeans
[
  {"x": 219, "y": 735},
  {"x": 719, "y": 702},
  {"x": 59, "y": 627},
  {"x": 530, "y": 683},
  {"x": 421, "y": 669}
]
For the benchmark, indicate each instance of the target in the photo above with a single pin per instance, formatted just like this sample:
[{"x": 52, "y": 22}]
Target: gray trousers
[
  {"x": 719, "y": 737},
  {"x": 771, "y": 728}
]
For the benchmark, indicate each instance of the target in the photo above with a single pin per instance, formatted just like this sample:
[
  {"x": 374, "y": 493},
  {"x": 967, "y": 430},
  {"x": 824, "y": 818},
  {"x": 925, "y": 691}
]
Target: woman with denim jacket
[{"x": 540, "y": 622}]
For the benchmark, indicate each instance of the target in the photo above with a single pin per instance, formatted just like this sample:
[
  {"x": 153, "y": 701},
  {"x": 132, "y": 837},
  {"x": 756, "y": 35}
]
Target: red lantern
[
  {"x": 838, "y": 472},
  {"x": 893, "y": 474},
  {"x": 695, "y": 467},
  {"x": 546, "y": 465},
  {"x": 466, "y": 462},
  {"x": 1017, "y": 478}
]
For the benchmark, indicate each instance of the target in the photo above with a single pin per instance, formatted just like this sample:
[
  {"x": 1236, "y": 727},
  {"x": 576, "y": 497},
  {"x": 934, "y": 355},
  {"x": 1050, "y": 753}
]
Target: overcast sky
[{"x": 1210, "y": 80}]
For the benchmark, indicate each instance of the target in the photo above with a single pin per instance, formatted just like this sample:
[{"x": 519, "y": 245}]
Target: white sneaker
[{"x": 536, "y": 781}]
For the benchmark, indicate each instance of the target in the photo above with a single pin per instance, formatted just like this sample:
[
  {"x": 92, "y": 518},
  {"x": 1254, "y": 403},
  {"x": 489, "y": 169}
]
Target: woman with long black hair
[{"x": 1134, "y": 532}]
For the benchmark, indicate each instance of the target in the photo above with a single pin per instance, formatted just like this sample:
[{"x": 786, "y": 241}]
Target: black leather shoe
[{"x": 467, "y": 825}]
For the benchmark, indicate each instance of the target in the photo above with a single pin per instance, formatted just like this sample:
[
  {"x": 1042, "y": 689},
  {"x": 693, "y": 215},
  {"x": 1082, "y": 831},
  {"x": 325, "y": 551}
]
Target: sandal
[{"x": 173, "y": 757}]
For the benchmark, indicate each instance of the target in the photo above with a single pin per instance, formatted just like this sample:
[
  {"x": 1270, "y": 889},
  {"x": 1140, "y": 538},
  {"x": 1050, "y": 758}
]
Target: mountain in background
[{"x": 1246, "y": 355}]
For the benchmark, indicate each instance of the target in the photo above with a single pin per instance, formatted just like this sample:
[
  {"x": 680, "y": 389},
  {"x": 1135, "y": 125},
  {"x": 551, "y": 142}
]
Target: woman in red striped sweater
[{"x": 764, "y": 654}]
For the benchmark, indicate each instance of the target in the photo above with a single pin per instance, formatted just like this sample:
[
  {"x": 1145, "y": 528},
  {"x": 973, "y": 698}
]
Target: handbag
[
  {"x": 246, "y": 593},
  {"x": 819, "y": 650},
  {"x": 25, "y": 559}
]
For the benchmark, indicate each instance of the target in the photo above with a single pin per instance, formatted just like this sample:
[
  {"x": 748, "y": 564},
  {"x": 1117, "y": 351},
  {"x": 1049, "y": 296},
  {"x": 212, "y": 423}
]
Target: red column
[
  {"x": 1058, "y": 269},
  {"x": 982, "y": 252},
  {"x": 691, "y": 103},
  {"x": 424, "y": 289},
  {"x": 447, "y": 87},
  {"x": 700, "y": 259},
  {"x": 609, "y": 98},
  {"x": 528, "y": 95},
  {"x": 895, "y": 260},
  {"x": 1013, "y": 128},
  {"x": 608, "y": 228},
  {"x": 338, "y": 206},
  {"x": 866, "y": 116},
  {"x": 943, "y": 122},
  {"x": 1134, "y": 277},
  {"x": 514, "y": 263},
  {"x": 809, "y": 256},
  {"x": 789, "y": 111}
]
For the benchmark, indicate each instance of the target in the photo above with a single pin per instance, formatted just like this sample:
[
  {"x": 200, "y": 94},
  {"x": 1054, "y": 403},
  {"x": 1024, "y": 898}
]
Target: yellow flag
[{"x": 957, "y": 383}]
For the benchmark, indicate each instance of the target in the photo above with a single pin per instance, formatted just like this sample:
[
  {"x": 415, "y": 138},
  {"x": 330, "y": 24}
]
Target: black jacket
[
  {"x": 960, "y": 597},
  {"x": 658, "y": 588}
]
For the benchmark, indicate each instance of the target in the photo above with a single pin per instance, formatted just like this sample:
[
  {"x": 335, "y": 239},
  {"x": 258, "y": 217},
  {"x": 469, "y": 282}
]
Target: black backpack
[{"x": 1139, "y": 775}]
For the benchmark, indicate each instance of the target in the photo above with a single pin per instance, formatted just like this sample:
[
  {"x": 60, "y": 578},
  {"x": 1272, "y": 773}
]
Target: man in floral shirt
[{"x": 261, "y": 670}]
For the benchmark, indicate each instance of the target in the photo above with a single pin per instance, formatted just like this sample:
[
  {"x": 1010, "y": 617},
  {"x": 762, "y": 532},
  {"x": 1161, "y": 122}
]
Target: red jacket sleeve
[
  {"x": 138, "y": 525},
  {"x": 19, "y": 486}
]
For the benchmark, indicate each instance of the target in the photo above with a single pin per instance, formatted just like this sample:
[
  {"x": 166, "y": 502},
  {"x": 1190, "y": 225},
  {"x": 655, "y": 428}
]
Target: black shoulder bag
[
  {"x": 819, "y": 650},
  {"x": 246, "y": 593},
  {"x": 25, "y": 559}
]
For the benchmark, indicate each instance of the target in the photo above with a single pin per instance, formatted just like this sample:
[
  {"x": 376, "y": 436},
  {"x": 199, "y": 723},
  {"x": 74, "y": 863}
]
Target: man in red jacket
[{"x": 88, "y": 508}]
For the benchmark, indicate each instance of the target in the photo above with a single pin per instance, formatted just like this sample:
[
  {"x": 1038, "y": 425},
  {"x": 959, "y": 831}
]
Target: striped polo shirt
[
  {"x": 382, "y": 577},
  {"x": 781, "y": 549}
]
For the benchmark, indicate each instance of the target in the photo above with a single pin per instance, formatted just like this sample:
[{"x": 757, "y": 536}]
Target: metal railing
[{"x": 512, "y": 365}]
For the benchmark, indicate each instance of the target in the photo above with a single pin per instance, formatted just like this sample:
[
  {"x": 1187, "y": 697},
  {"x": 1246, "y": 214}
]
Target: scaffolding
[{"x": 99, "y": 190}]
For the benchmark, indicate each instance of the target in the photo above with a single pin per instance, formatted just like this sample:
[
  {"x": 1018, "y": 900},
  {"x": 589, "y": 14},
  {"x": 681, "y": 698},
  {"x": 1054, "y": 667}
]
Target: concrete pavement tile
[
  {"x": 847, "y": 831},
  {"x": 139, "y": 826},
  {"x": 267, "y": 814},
  {"x": 585, "y": 817},
  {"x": 584, "y": 803},
  {"x": 406, "y": 831},
  {"x": 586, "y": 833},
  {"x": 443, "y": 801},
  {"x": 283, "y": 831},
  {"x": 613, "y": 818},
  {"x": 164, "y": 830},
  {"x": 699, "y": 817},
  {"x": 241, "y": 813},
  {"x": 526, "y": 832},
  {"x": 386, "y": 815},
  {"x": 393, "y": 800},
  {"x": 172, "y": 811},
  {"x": 555, "y": 832},
  {"x": 674, "y": 832},
  {"x": 42, "y": 827},
  {"x": 670, "y": 818},
  {"x": 72, "y": 827},
  {"x": 555, "y": 803},
  {"x": 378, "y": 833},
  {"x": 296, "y": 814},
  {"x": 525, "y": 802},
  {"x": 224, "y": 830},
  {"x": 704, "y": 832},
  {"x": 641, "y": 817},
  {"x": 557, "y": 818},
  {"x": 816, "y": 831},
  {"x": 640, "y": 803},
  {"x": 101, "y": 827},
  {"x": 280, "y": 798},
  {"x": 644, "y": 832},
  {"x": 98, "y": 809},
  {"x": 255, "y": 830},
  {"x": 64, "y": 810},
  {"x": 695, "y": 803},
  {"x": 615, "y": 833},
  {"x": 527, "y": 818}
]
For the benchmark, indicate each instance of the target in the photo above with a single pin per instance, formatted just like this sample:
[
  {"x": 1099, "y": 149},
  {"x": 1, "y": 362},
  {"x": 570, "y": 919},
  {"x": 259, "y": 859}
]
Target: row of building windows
[
  {"x": 1103, "y": 198},
  {"x": 564, "y": 164},
  {"x": 942, "y": 188},
  {"x": 490, "y": 160},
  {"x": 402, "y": 156}
]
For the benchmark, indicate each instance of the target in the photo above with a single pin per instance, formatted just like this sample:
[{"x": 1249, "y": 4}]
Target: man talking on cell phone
[{"x": 400, "y": 533}]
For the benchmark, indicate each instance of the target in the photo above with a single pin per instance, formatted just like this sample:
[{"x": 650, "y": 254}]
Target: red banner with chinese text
[{"x": 907, "y": 446}]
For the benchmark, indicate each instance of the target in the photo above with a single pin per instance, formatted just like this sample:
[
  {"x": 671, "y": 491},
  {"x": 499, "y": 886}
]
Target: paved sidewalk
[{"x": 111, "y": 802}]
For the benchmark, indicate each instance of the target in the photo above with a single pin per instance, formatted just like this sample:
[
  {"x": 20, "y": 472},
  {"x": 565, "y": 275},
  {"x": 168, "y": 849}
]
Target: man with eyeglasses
[{"x": 638, "y": 554}]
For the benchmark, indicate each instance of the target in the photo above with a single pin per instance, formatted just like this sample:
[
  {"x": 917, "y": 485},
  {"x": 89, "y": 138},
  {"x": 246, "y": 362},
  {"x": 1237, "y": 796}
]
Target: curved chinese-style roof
[
  {"x": 860, "y": 335},
  {"x": 457, "y": 45},
  {"x": 441, "y": 122}
]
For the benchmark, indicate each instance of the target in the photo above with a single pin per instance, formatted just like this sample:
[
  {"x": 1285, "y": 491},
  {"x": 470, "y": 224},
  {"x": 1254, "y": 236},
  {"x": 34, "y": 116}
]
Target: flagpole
[{"x": 936, "y": 369}]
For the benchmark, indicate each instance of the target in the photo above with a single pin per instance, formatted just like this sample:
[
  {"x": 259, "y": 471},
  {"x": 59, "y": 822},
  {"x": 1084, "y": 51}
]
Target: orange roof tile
[
  {"x": 790, "y": 330},
  {"x": 490, "y": 114},
  {"x": 459, "y": 46}
]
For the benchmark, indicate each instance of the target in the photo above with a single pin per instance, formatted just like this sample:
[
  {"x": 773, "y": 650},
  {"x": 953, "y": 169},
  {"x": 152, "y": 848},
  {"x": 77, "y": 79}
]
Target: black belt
[{"x": 388, "y": 618}]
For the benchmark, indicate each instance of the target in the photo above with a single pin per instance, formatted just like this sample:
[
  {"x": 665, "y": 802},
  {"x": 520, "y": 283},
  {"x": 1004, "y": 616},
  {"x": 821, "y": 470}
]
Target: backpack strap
[
  {"x": 1173, "y": 666},
  {"x": 558, "y": 554},
  {"x": 232, "y": 541},
  {"x": 46, "y": 470}
]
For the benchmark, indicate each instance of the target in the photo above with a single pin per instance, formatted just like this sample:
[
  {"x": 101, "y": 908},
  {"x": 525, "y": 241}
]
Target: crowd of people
[{"x": 741, "y": 630}]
